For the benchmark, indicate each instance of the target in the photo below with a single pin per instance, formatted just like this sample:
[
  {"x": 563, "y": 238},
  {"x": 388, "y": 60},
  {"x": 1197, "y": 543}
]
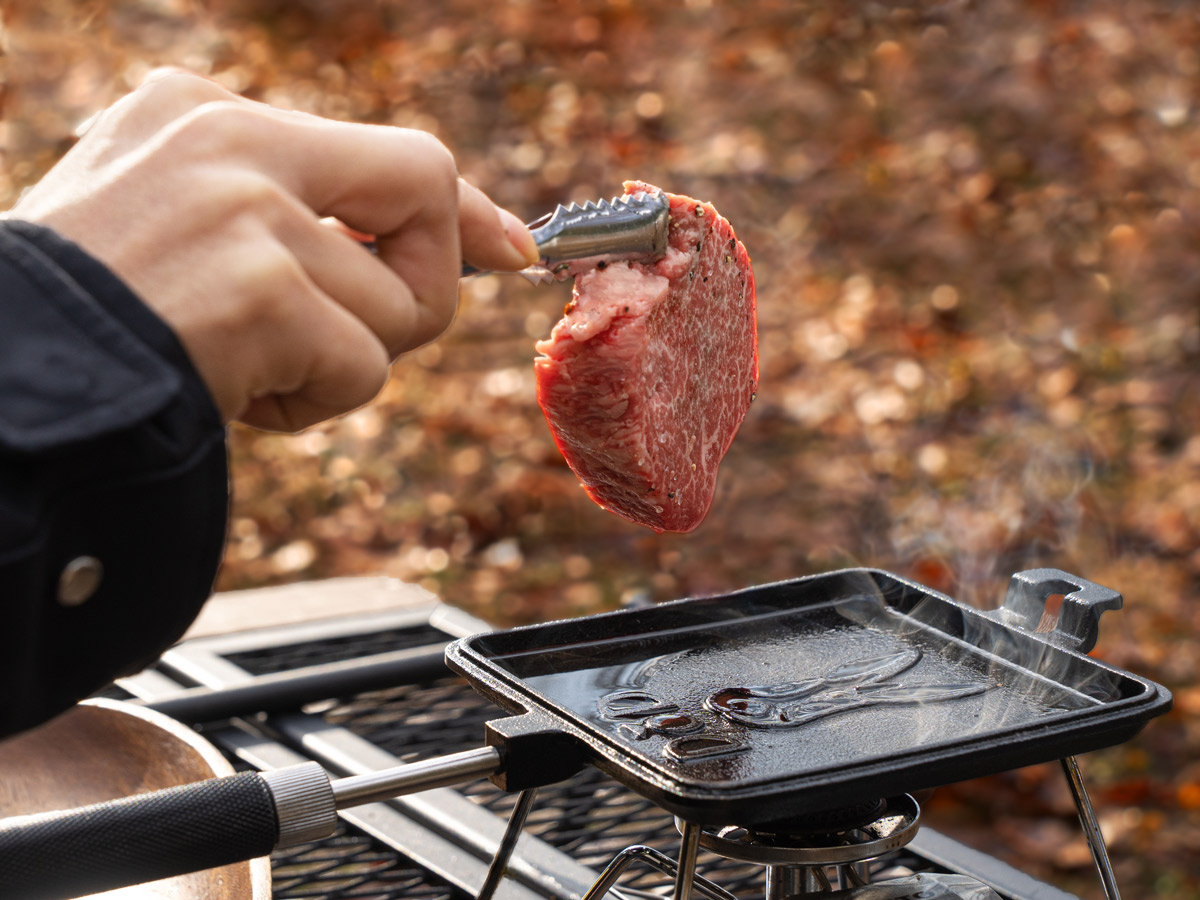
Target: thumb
[{"x": 492, "y": 238}]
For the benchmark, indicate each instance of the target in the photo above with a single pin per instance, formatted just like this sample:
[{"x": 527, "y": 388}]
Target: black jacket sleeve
[{"x": 113, "y": 479}]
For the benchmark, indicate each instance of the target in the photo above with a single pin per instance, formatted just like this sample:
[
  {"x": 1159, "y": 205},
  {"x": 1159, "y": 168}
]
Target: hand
[{"x": 223, "y": 215}]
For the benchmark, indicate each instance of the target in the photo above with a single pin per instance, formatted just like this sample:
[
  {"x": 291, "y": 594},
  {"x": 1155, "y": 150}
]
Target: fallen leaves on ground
[{"x": 975, "y": 232}]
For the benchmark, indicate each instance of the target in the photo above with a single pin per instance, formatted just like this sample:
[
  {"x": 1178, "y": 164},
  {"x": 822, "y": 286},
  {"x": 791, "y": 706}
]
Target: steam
[
  {"x": 1029, "y": 679},
  {"x": 1030, "y": 506}
]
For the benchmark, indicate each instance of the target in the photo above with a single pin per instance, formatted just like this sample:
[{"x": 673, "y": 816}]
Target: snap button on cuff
[{"x": 79, "y": 580}]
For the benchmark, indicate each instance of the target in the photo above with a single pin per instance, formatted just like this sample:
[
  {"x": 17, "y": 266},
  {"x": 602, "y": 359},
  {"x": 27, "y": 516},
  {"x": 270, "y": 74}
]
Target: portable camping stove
[{"x": 730, "y": 843}]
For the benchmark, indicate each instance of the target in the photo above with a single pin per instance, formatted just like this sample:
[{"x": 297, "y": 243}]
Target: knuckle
[
  {"x": 374, "y": 365},
  {"x": 271, "y": 280},
  {"x": 260, "y": 197},
  {"x": 432, "y": 322},
  {"x": 180, "y": 85},
  {"x": 245, "y": 197},
  {"x": 433, "y": 158},
  {"x": 214, "y": 129}
]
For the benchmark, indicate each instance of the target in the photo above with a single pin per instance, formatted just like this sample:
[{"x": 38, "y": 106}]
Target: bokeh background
[{"x": 976, "y": 233}]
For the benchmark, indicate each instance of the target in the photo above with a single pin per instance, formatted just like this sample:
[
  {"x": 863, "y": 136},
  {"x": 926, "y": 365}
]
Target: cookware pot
[{"x": 103, "y": 750}]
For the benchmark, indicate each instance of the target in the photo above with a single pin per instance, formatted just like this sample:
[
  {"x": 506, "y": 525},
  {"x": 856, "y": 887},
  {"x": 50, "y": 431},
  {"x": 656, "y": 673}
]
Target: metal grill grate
[
  {"x": 590, "y": 817},
  {"x": 335, "y": 649},
  {"x": 350, "y": 865}
]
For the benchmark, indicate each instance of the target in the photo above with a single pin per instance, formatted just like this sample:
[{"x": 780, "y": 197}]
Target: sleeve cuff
[
  {"x": 81, "y": 355},
  {"x": 111, "y": 448}
]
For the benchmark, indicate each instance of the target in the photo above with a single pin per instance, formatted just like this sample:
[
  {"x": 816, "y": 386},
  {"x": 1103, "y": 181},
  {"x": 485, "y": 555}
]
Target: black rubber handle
[{"x": 58, "y": 855}]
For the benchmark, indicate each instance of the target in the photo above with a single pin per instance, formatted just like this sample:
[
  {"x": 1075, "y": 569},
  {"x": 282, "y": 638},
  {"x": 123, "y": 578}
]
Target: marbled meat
[{"x": 646, "y": 378}]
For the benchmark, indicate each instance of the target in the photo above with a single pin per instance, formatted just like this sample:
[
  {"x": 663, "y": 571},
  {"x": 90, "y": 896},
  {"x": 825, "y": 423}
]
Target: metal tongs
[{"x": 631, "y": 227}]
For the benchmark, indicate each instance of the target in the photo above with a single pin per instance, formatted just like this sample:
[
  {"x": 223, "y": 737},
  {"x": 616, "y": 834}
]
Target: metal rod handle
[
  {"x": 441, "y": 771},
  {"x": 208, "y": 823}
]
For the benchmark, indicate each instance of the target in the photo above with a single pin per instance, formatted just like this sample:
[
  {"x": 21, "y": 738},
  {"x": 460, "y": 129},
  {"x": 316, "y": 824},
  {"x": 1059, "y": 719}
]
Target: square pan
[{"x": 950, "y": 693}]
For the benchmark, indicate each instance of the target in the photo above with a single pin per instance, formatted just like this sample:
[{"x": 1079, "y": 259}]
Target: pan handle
[
  {"x": 65, "y": 854},
  {"x": 68, "y": 853},
  {"x": 1078, "y": 624}
]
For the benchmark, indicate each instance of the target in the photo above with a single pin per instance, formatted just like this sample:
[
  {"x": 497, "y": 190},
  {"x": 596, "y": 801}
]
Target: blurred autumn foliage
[{"x": 976, "y": 232}]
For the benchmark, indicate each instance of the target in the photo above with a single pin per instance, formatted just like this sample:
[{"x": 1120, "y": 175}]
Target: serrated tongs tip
[{"x": 629, "y": 227}]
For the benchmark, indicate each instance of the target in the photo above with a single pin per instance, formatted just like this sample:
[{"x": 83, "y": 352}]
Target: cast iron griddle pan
[{"x": 820, "y": 693}]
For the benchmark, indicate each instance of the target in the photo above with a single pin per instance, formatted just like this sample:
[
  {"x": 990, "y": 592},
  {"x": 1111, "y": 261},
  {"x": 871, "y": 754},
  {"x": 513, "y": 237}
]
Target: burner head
[
  {"x": 822, "y": 821},
  {"x": 885, "y": 826}
]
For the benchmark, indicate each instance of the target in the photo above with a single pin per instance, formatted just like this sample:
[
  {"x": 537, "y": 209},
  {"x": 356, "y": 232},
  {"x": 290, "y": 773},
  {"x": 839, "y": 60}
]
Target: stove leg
[
  {"x": 785, "y": 881},
  {"x": 816, "y": 880},
  {"x": 854, "y": 875},
  {"x": 654, "y": 859},
  {"x": 508, "y": 843},
  {"x": 689, "y": 848},
  {"x": 796, "y": 881},
  {"x": 1091, "y": 828}
]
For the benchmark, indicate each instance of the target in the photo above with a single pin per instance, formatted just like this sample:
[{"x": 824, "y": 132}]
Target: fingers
[
  {"x": 397, "y": 184},
  {"x": 341, "y": 376},
  {"x": 360, "y": 281},
  {"x": 292, "y": 355},
  {"x": 400, "y": 185},
  {"x": 298, "y": 322},
  {"x": 403, "y": 187},
  {"x": 373, "y": 294}
]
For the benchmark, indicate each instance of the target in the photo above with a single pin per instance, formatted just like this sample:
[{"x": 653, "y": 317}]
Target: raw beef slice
[{"x": 649, "y": 373}]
